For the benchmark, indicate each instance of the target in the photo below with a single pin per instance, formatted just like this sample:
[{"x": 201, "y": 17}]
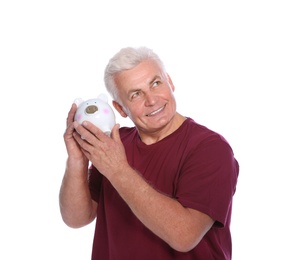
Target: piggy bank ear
[
  {"x": 78, "y": 101},
  {"x": 103, "y": 97}
]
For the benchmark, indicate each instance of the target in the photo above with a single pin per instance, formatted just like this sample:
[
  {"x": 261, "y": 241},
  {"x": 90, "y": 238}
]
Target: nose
[
  {"x": 150, "y": 99},
  {"x": 91, "y": 109}
]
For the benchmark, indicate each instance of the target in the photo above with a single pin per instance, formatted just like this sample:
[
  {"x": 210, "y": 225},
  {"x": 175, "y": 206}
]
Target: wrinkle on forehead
[{"x": 144, "y": 74}]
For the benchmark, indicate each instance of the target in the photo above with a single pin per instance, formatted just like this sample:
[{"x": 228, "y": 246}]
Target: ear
[
  {"x": 103, "y": 97},
  {"x": 119, "y": 108},
  {"x": 78, "y": 101},
  {"x": 170, "y": 83}
]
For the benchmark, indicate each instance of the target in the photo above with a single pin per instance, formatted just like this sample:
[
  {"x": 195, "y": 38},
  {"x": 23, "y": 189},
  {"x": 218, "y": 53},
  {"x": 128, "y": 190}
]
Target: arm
[
  {"x": 76, "y": 206},
  {"x": 182, "y": 228}
]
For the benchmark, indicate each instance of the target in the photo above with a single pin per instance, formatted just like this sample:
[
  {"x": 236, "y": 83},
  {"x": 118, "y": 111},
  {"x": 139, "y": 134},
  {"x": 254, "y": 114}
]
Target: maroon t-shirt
[{"x": 193, "y": 165}]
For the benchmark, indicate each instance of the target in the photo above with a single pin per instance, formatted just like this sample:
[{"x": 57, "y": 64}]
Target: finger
[
  {"x": 115, "y": 133},
  {"x": 71, "y": 114},
  {"x": 81, "y": 141},
  {"x": 97, "y": 132},
  {"x": 79, "y": 130},
  {"x": 85, "y": 134}
]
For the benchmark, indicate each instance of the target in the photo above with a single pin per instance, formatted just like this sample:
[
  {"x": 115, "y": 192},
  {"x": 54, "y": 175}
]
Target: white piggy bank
[{"x": 96, "y": 111}]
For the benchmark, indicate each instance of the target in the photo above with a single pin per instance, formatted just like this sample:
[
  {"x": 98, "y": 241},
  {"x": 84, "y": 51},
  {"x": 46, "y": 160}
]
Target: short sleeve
[{"x": 208, "y": 179}]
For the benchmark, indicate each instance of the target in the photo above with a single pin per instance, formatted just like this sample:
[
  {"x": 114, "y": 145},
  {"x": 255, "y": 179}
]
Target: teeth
[{"x": 155, "y": 112}]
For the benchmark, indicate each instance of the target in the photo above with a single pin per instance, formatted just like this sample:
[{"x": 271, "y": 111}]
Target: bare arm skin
[
  {"x": 182, "y": 228},
  {"x": 76, "y": 206}
]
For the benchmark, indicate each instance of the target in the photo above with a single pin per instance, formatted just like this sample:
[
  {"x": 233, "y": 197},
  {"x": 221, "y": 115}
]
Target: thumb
[{"x": 115, "y": 133}]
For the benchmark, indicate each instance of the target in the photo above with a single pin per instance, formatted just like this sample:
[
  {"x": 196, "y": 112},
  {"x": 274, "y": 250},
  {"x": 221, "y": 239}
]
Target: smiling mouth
[{"x": 156, "y": 112}]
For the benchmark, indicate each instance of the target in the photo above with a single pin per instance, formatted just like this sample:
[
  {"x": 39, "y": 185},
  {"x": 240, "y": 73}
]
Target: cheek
[
  {"x": 78, "y": 117},
  {"x": 106, "y": 111}
]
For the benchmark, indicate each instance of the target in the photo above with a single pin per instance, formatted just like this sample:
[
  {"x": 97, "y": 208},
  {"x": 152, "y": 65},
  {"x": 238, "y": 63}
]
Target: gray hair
[{"x": 127, "y": 58}]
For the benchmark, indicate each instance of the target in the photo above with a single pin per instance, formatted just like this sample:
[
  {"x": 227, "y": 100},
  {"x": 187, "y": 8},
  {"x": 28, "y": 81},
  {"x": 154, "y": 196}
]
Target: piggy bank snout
[{"x": 92, "y": 109}]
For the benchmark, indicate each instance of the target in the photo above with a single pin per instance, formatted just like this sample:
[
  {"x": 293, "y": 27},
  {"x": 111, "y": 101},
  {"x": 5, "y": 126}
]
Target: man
[{"x": 160, "y": 190}]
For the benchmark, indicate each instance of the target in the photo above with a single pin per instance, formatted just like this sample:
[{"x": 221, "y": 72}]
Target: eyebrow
[
  {"x": 150, "y": 83},
  {"x": 154, "y": 79}
]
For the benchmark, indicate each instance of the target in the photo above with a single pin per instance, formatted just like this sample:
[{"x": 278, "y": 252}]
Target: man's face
[{"x": 146, "y": 96}]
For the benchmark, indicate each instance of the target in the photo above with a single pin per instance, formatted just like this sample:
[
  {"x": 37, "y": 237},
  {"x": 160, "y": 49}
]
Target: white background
[{"x": 234, "y": 67}]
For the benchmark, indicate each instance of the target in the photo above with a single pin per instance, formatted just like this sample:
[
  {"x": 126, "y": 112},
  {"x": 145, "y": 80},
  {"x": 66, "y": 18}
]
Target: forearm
[
  {"x": 163, "y": 215},
  {"x": 76, "y": 205}
]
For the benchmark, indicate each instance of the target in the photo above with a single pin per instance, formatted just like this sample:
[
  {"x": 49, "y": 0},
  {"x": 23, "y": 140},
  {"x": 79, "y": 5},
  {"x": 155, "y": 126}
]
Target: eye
[
  {"x": 156, "y": 83},
  {"x": 135, "y": 94}
]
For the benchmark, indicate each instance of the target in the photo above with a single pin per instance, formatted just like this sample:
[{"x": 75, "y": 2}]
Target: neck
[{"x": 154, "y": 137}]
